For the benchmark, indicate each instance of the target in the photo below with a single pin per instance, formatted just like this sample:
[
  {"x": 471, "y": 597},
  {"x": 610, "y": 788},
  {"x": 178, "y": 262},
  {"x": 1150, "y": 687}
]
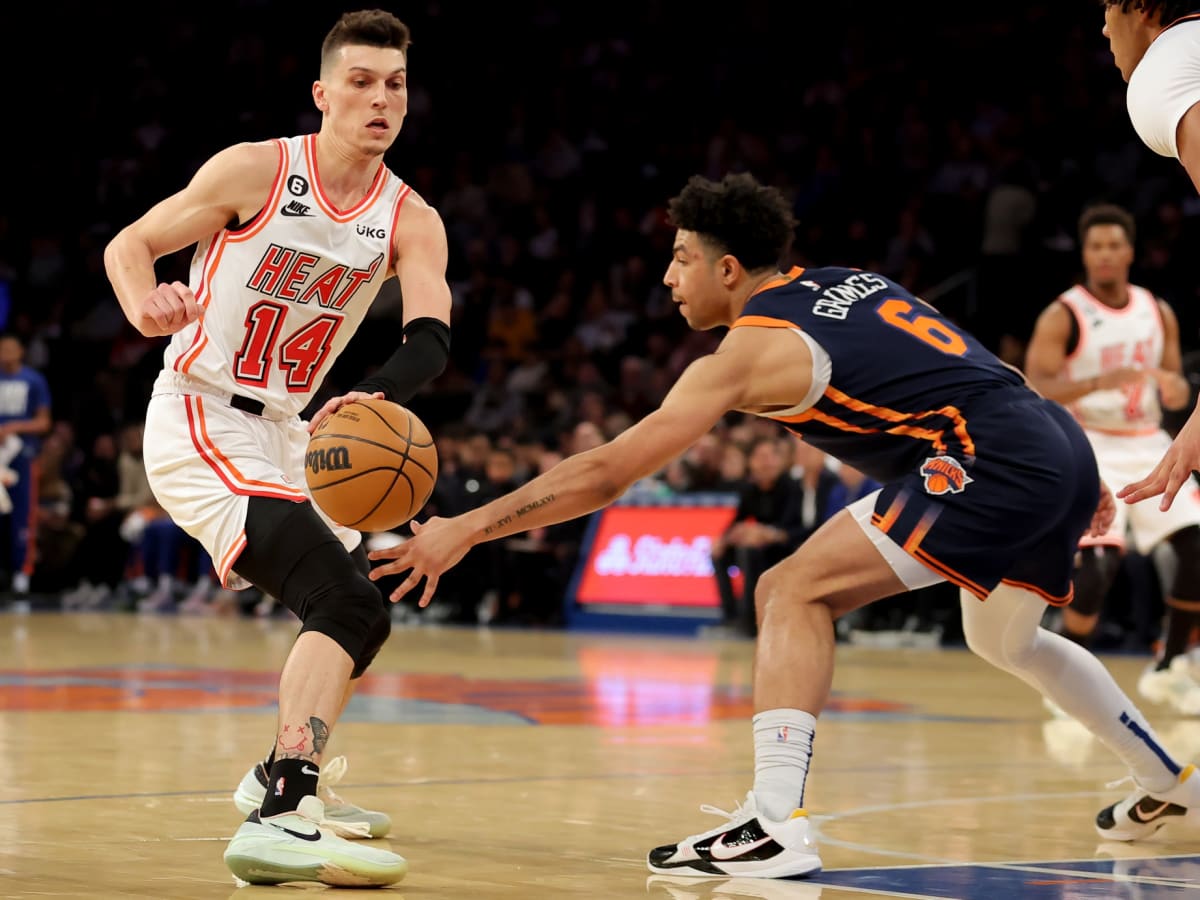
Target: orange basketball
[{"x": 371, "y": 466}]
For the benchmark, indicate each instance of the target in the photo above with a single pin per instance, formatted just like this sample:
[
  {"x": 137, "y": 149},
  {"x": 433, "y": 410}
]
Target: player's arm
[
  {"x": 421, "y": 256},
  {"x": 1187, "y": 136},
  {"x": 1173, "y": 387},
  {"x": 233, "y": 185},
  {"x": 754, "y": 368},
  {"x": 1046, "y": 358}
]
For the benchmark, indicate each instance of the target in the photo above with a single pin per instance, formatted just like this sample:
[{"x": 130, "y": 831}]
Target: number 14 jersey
[{"x": 283, "y": 293}]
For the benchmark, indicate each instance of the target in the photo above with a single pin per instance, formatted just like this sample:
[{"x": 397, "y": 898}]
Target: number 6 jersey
[
  {"x": 894, "y": 380},
  {"x": 284, "y": 293}
]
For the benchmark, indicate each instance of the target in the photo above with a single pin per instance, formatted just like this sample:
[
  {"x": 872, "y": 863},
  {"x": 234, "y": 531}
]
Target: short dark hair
[
  {"x": 365, "y": 28},
  {"x": 1166, "y": 10},
  {"x": 749, "y": 221},
  {"x": 1107, "y": 214}
]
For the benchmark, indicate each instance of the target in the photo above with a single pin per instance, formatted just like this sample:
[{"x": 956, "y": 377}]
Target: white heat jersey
[
  {"x": 1130, "y": 337},
  {"x": 1165, "y": 85},
  {"x": 283, "y": 294}
]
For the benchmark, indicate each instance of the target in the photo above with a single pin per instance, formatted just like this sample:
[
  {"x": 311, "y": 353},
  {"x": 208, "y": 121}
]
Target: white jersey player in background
[
  {"x": 293, "y": 239},
  {"x": 1156, "y": 46},
  {"x": 1109, "y": 351}
]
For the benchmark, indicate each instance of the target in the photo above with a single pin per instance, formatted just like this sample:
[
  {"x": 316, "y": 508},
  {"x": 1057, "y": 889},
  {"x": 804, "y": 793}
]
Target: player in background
[
  {"x": 293, "y": 239},
  {"x": 1156, "y": 46},
  {"x": 986, "y": 484},
  {"x": 1109, "y": 351}
]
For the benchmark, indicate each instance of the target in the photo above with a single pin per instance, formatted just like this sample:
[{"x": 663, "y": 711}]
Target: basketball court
[{"x": 522, "y": 764}]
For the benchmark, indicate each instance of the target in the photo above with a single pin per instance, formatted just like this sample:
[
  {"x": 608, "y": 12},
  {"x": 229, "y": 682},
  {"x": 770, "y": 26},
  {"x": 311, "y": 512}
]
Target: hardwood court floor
[{"x": 544, "y": 765}]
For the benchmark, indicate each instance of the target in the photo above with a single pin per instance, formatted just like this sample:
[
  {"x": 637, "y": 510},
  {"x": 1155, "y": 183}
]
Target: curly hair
[
  {"x": 736, "y": 215},
  {"x": 1166, "y": 10},
  {"x": 365, "y": 28}
]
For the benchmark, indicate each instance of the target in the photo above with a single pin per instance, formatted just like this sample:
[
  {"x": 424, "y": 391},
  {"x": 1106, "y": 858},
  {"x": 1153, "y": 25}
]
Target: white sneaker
[
  {"x": 342, "y": 818},
  {"x": 1141, "y": 813},
  {"x": 747, "y": 844},
  {"x": 1173, "y": 685},
  {"x": 292, "y": 847}
]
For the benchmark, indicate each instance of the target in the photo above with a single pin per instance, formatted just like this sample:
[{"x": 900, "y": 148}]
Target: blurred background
[{"x": 951, "y": 147}]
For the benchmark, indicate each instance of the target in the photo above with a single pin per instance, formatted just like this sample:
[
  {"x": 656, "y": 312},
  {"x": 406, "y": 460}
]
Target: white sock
[{"x": 783, "y": 740}]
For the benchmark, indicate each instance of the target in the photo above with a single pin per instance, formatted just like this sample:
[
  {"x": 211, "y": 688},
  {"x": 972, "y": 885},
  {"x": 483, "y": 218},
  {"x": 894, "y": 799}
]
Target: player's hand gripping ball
[{"x": 371, "y": 465}]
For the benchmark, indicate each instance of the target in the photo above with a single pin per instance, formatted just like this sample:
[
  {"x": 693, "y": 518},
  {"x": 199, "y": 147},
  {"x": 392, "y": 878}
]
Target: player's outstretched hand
[
  {"x": 168, "y": 309},
  {"x": 434, "y": 547},
  {"x": 1106, "y": 511},
  {"x": 337, "y": 403},
  {"x": 1174, "y": 471}
]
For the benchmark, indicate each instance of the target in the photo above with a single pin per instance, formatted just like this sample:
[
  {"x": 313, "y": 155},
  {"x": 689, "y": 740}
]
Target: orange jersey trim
[
  {"x": 223, "y": 466},
  {"x": 341, "y": 216},
  {"x": 272, "y": 201},
  {"x": 949, "y": 574},
  {"x": 779, "y": 281},
  {"x": 230, "y": 558},
  {"x": 1048, "y": 597},
  {"x": 405, "y": 190},
  {"x": 763, "y": 322}
]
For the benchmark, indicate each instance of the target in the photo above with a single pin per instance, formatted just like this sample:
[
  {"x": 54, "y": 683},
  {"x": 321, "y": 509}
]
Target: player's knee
[
  {"x": 345, "y": 609},
  {"x": 1098, "y": 567},
  {"x": 375, "y": 640},
  {"x": 1186, "y": 543}
]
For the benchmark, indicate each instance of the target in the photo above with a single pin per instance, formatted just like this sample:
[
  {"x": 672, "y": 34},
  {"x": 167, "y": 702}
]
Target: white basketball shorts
[
  {"x": 205, "y": 460},
  {"x": 1123, "y": 459}
]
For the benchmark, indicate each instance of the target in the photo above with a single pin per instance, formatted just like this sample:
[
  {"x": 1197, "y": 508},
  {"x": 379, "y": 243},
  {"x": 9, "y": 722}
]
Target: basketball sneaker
[
  {"x": 1173, "y": 685},
  {"x": 747, "y": 844},
  {"x": 1141, "y": 813},
  {"x": 293, "y": 846},
  {"x": 342, "y": 817}
]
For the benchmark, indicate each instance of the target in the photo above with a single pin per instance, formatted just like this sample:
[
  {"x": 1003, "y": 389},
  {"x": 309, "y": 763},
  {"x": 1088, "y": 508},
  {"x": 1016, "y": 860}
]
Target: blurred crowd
[{"x": 953, "y": 153}]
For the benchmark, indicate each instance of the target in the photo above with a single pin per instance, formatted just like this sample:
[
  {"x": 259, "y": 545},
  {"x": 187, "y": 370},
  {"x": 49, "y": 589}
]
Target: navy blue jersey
[{"x": 904, "y": 381}]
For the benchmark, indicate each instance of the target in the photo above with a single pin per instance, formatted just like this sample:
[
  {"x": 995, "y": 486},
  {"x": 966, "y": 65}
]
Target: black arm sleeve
[{"x": 416, "y": 362}]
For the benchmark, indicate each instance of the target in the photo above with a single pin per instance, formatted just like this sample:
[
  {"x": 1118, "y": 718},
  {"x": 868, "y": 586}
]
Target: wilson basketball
[{"x": 371, "y": 466}]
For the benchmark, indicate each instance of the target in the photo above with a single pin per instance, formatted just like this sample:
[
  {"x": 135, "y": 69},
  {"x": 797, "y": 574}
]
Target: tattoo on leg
[{"x": 320, "y": 734}]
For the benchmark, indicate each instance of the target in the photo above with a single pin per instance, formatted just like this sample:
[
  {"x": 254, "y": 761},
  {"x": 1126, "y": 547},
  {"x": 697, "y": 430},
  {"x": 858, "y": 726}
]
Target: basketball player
[
  {"x": 24, "y": 420},
  {"x": 294, "y": 238},
  {"x": 986, "y": 484},
  {"x": 1109, "y": 350},
  {"x": 1156, "y": 46}
]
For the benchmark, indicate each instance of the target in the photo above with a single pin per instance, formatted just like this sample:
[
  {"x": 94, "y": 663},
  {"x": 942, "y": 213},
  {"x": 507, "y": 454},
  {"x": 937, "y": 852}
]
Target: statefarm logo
[
  {"x": 652, "y": 555},
  {"x": 944, "y": 475}
]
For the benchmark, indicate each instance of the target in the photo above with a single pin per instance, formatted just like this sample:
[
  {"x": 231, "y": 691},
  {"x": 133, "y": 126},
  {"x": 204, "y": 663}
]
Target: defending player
[
  {"x": 987, "y": 485},
  {"x": 294, "y": 238}
]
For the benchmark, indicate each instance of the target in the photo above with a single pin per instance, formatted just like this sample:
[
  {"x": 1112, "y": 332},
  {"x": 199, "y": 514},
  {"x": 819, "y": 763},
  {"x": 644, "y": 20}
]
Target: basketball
[{"x": 371, "y": 465}]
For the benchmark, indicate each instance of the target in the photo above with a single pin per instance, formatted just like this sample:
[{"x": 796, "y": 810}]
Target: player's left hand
[
  {"x": 435, "y": 546},
  {"x": 1174, "y": 471},
  {"x": 1106, "y": 511},
  {"x": 337, "y": 403}
]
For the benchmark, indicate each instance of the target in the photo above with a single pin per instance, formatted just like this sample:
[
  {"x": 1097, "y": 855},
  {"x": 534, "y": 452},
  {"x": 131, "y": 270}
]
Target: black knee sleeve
[
  {"x": 292, "y": 555},
  {"x": 1186, "y": 543},
  {"x": 1097, "y": 571}
]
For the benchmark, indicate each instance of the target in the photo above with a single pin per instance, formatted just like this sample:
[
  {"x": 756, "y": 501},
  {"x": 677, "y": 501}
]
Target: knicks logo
[
  {"x": 944, "y": 475},
  {"x": 331, "y": 459}
]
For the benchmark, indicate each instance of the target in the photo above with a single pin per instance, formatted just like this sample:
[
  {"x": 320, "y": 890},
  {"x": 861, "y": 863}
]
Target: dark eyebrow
[{"x": 400, "y": 71}]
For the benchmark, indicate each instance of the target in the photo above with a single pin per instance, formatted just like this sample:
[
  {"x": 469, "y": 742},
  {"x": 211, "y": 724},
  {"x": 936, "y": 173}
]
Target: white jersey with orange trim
[
  {"x": 1130, "y": 337},
  {"x": 283, "y": 294},
  {"x": 1165, "y": 85}
]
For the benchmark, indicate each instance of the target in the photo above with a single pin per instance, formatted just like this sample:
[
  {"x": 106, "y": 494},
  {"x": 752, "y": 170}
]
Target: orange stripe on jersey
[
  {"x": 310, "y": 160},
  {"x": 224, "y": 467},
  {"x": 764, "y": 322},
  {"x": 230, "y": 558},
  {"x": 405, "y": 190},
  {"x": 207, "y": 268},
  {"x": 268, "y": 211},
  {"x": 815, "y": 415},
  {"x": 922, "y": 529},
  {"x": 1048, "y": 597},
  {"x": 892, "y": 415},
  {"x": 779, "y": 281},
  {"x": 949, "y": 574},
  {"x": 893, "y": 513}
]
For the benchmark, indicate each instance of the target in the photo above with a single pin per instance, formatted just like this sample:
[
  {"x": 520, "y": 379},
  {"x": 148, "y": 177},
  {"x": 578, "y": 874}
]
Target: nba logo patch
[
  {"x": 944, "y": 475},
  {"x": 279, "y": 786},
  {"x": 782, "y": 734}
]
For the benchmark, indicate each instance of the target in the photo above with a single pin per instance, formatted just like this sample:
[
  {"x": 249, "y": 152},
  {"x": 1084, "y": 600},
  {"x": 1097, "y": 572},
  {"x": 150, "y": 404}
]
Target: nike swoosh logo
[
  {"x": 1144, "y": 816},
  {"x": 315, "y": 836},
  {"x": 305, "y": 770},
  {"x": 720, "y": 850}
]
